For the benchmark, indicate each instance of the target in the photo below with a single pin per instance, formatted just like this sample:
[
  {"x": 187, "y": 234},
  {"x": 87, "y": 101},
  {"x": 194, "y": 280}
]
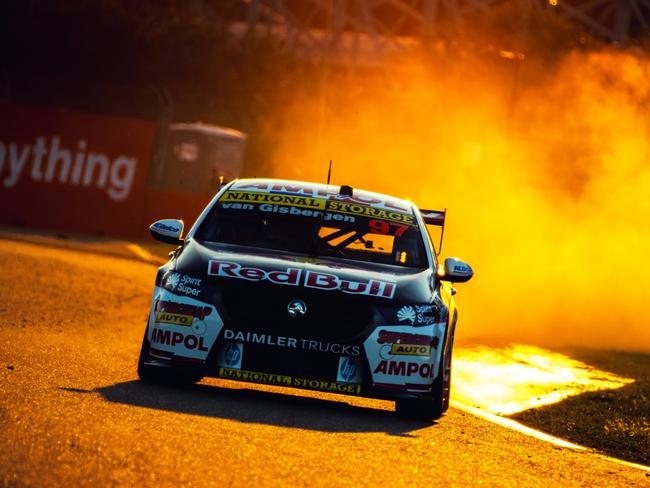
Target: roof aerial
[{"x": 346, "y": 190}]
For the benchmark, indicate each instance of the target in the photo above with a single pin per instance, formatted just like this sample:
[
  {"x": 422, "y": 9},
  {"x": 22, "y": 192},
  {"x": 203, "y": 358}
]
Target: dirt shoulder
[{"x": 614, "y": 422}]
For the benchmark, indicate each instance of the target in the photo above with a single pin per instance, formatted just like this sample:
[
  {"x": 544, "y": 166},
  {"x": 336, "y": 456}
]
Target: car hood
[{"x": 257, "y": 270}]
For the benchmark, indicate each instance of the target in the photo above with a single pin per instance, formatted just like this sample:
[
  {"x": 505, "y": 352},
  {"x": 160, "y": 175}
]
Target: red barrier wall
[{"x": 73, "y": 171}]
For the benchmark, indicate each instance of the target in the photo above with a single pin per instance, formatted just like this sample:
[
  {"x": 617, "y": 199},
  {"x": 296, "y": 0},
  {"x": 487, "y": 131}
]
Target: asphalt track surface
[{"x": 72, "y": 411}]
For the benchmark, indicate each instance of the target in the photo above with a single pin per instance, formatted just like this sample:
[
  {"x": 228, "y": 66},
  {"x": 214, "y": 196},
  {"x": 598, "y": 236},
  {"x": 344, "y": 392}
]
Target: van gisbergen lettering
[
  {"x": 170, "y": 338},
  {"x": 277, "y": 379},
  {"x": 300, "y": 212},
  {"x": 404, "y": 368},
  {"x": 260, "y": 197},
  {"x": 291, "y": 342},
  {"x": 312, "y": 279},
  {"x": 326, "y": 216}
]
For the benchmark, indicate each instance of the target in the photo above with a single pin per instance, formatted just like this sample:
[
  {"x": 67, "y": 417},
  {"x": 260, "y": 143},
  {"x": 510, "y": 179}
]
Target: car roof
[{"x": 321, "y": 190}]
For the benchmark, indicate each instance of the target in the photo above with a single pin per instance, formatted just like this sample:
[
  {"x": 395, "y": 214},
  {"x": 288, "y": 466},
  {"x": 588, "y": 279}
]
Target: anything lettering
[{"x": 65, "y": 166}]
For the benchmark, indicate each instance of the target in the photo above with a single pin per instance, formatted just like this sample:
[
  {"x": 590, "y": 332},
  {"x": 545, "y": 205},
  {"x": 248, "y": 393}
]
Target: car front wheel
[
  {"x": 430, "y": 408},
  {"x": 162, "y": 375},
  {"x": 437, "y": 404}
]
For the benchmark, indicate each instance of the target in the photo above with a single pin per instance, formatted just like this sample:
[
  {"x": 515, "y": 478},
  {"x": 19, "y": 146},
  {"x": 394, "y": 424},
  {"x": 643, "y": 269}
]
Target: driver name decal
[{"x": 312, "y": 279}]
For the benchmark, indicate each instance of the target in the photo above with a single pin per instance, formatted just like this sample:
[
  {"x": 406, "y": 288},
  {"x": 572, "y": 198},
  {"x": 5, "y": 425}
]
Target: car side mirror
[
  {"x": 455, "y": 270},
  {"x": 168, "y": 231}
]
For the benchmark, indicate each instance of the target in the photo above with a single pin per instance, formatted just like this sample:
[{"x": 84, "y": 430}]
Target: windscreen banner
[{"x": 73, "y": 171}]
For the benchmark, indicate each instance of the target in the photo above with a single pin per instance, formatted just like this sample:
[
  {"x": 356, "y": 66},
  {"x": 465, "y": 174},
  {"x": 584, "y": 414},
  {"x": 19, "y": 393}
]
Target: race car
[{"x": 306, "y": 285}]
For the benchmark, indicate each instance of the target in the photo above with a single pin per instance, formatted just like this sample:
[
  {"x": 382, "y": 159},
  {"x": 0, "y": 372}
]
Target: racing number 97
[{"x": 383, "y": 227}]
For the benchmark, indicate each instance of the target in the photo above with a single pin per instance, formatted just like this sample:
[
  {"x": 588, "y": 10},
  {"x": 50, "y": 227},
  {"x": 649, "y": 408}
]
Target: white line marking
[{"x": 514, "y": 425}]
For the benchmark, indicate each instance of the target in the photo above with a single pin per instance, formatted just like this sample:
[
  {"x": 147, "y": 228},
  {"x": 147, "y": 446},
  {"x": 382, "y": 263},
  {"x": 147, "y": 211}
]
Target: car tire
[
  {"x": 434, "y": 407},
  {"x": 159, "y": 375},
  {"x": 430, "y": 408}
]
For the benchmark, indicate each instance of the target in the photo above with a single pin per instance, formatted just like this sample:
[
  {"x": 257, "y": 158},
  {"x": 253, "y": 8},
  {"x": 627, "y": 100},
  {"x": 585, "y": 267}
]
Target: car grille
[
  {"x": 264, "y": 309},
  {"x": 290, "y": 362}
]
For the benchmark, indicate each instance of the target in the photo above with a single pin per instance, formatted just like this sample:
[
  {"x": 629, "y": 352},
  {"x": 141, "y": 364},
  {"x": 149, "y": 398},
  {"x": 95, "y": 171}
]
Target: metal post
[
  {"x": 430, "y": 18},
  {"x": 252, "y": 15},
  {"x": 622, "y": 17}
]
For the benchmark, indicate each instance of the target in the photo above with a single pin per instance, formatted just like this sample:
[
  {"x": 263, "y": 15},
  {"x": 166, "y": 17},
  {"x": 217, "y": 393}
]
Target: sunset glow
[{"x": 515, "y": 378}]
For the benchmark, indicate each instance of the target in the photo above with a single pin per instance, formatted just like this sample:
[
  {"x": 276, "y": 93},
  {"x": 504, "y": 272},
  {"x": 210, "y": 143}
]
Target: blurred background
[{"x": 527, "y": 119}]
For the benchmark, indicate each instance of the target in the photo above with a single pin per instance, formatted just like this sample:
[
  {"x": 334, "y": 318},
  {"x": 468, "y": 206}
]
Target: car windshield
[{"x": 356, "y": 232}]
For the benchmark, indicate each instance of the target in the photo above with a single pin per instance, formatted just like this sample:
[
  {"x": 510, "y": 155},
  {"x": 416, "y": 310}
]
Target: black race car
[{"x": 310, "y": 286}]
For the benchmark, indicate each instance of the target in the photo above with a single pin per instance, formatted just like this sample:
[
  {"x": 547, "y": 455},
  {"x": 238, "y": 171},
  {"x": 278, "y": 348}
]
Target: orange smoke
[
  {"x": 512, "y": 379},
  {"x": 545, "y": 172}
]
